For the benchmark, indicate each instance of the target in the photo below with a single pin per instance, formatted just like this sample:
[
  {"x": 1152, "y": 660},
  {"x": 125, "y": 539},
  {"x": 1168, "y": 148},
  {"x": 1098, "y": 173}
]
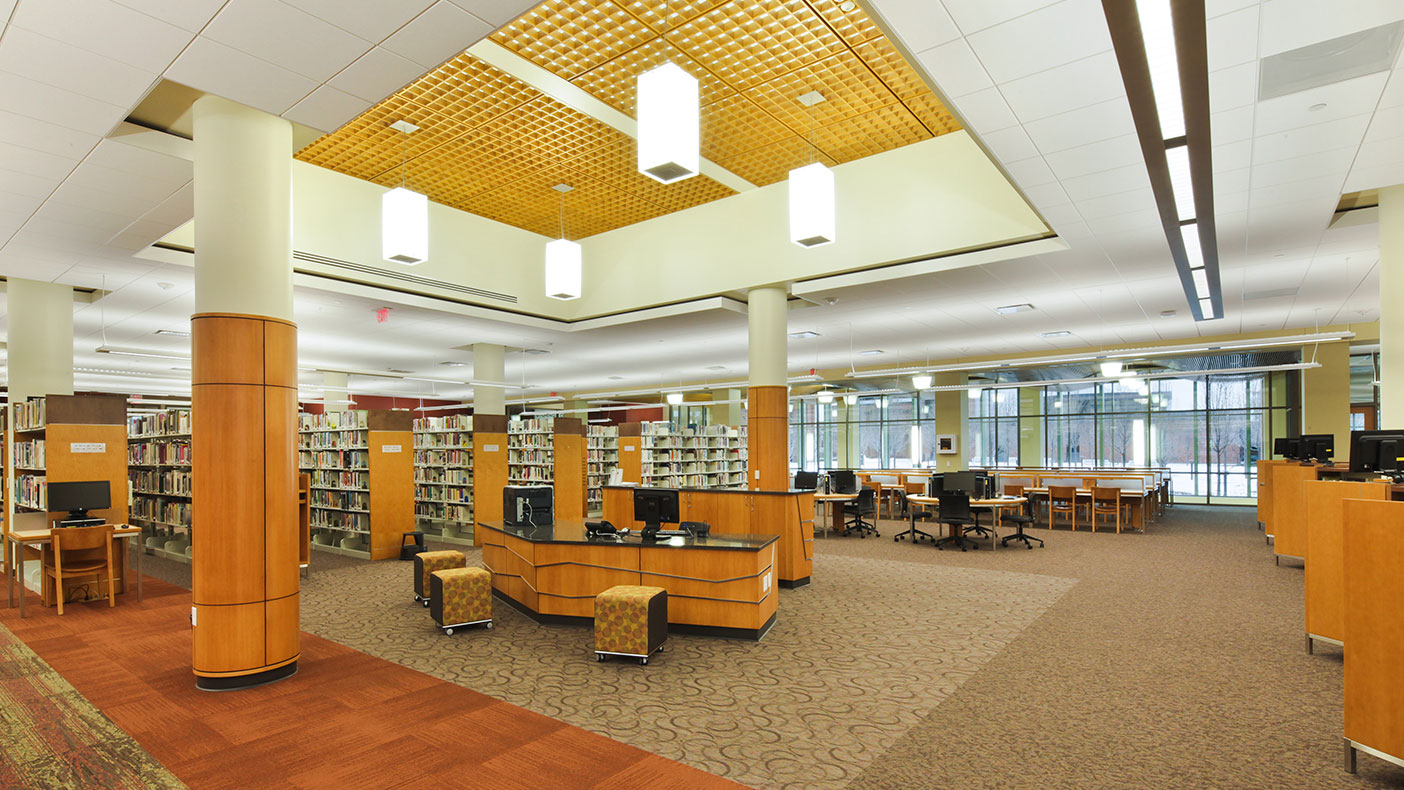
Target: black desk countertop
[
  {"x": 737, "y": 490},
  {"x": 574, "y": 532}
]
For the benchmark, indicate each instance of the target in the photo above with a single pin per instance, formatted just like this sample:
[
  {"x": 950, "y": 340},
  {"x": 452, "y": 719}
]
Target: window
[{"x": 896, "y": 431}]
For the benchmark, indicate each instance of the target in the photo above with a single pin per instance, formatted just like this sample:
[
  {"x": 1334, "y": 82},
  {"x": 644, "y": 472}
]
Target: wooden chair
[
  {"x": 1106, "y": 501},
  {"x": 1062, "y": 499},
  {"x": 79, "y": 552}
]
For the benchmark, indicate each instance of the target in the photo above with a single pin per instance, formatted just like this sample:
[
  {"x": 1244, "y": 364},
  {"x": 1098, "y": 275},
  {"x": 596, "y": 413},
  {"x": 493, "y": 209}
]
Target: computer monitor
[
  {"x": 961, "y": 481},
  {"x": 527, "y": 506},
  {"x": 806, "y": 481},
  {"x": 843, "y": 481},
  {"x": 1318, "y": 446},
  {"x": 1376, "y": 451},
  {"x": 78, "y": 498},
  {"x": 936, "y": 485},
  {"x": 1288, "y": 447},
  {"x": 655, "y": 506}
]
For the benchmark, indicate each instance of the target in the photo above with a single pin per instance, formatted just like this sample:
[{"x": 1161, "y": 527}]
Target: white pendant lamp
[
  {"x": 404, "y": 215},
  {"x": 921, "y": 381},
  {"x": 1111, "y": 369},
  {"x": 675, "y": 398},
  {"x": 670, "y": 120},
  {"x": 812, "y": 210},
  {"x": 563, "y": 260},
  {"x": 826, "y": 397}
]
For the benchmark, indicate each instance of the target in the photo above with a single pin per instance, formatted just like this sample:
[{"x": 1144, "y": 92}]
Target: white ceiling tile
[
  {"x": 1375, "y": 177},
  {"x": 1062, "y": 216},
  {"x": 377, "y": 74},
  {"x": 1231, "y": 203},
  {"x": 1234, "y": 86},
  {"x": 1289, "y": 24},
  {"x": 1101, "y": 121},
  {"x": 326, "y": 109},
  {"x": 1094, "y": 157},
  {"x": 1030, "y": 172},
  {"x": 1213, "y": 8},
  {"x": 1393, "y": 95},
  {"x": 1029, "y": 44},
  {"x": 1296, "y": 192},
  {"x": 1232, "y": 38},
  {"x": 52, "y": 62},
  {"x": 1231, "y": 181},
  {"x": 286, "y": 37},
  {"x": 1333, "y": 164},
  {"x": 1070, "y": 86},
  {"x": 35, "y": 163},
  {"x": 985, "y": 111},
  {"x": 55, "y": 105},
  {"x": 1232, "y": 156},
  {"x": 1009, "y": 145},
  {"x": 1046, "y": 195},
  {"x": 1147, "y": 220},
  {"x": 188, "y": 15},
  {"x": 920, "y": 24},
  {"x": 497, "y": 12},
  {"x": 1107, "y": 182},
  {"x": 1379, "y": 152},
  {"x": 973, "y": 15},
  {"x": 372, "y": 20},
  {"x": 1230, "y": 126},
  {"x": 12, "y": 203},
  {"x": 1135, "y": 200},
  {"x": 1341, "y": 100},
  {"x": 106, "y": 28},
  {"x": 954, "y": 69},
  {"x": 215, "y": 68},
  {"x": 1340, "y": 133},
  {"x": 436, "y": 35},
  {"x": 44, "y": 136},
  {"x": 165, "y": 169},
  {"x": 1386, "y": 124},
  {"x": 26, "y": 184}
]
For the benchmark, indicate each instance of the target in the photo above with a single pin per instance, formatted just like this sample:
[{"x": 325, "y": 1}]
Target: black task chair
[
  {"x": 1021, "y": 518},
  {"x": 865, "y": 505},
  {"x": 955, "y": 513},
  {"x": 843, "y": 481},
  {"x": 915, "y": 513},
  {"x": 806, "y": 481}
]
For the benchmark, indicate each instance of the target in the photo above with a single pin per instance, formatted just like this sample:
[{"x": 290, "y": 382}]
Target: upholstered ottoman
[
  {"x": 426, "y": 563},
  {"x": 630, "y": 621},
  {"x": 460, "y": 596}
]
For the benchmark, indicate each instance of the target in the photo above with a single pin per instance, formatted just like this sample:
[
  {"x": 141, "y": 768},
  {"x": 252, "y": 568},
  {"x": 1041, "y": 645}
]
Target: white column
[
  {"x": 40, "y": 339},
  {"x": 767, "y": 312},
  {"x": 1391, "y": 321},
  {"x": 334, "y": 389},
  {"x": 488, "y": 365}
]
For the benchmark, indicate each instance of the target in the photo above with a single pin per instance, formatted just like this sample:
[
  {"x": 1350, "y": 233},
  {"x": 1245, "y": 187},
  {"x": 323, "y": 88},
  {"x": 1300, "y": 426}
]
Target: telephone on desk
[{"x": 600, "y": 529}]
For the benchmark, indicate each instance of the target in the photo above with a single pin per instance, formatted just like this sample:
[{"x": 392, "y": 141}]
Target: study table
[
  {"x": 1139, "y": 498},
  {"x": 20, "y": 539},
  {"x": 722, "y": 585},
  {"x": 994, "y": 505},
  {"x": 833, "y": 501}
]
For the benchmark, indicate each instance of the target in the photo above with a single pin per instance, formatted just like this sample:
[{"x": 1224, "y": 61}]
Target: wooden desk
[
  {"x": 722, "y": 585},
  {"x": 835, "y": 512},
  {"x": 1289, "y": 510},
  {"x": 995, "y": 505},
  {"x": 19, "y": 540},
  {"x": 1324, "y": 501},
  {"x": 1086, "y": 493}
]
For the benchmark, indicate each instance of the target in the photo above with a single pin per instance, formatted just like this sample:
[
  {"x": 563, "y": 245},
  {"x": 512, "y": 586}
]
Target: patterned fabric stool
[
  {"x": 426, "y": 563},
  {"x": 630, "y": 621},
  {"x": 460, "y": 596}
]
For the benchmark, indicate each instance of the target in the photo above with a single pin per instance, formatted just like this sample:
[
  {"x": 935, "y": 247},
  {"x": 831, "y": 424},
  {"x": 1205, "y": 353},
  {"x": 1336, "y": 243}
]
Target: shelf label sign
[
  {"x": 87, "y": 447},
  {"x": 389, "y": 448},
  {"x": 489, "y": 448}
]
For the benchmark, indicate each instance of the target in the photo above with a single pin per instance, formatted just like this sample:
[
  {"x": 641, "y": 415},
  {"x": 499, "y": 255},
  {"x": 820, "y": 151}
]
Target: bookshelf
[
  {"x": 361, "y": 492},
  {"x": 602, "y": 455},
  {"x": 443, "y": 476},
  {"x": 531, "y": 458},
  {"x": 713, "y": 456},
  {"x": 569, "y": 470},
  {"x": 158, "y": 463}
]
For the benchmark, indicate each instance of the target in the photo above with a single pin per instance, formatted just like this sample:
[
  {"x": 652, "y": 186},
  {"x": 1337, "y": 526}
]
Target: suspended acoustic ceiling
[{"x": 492, "y": 145}]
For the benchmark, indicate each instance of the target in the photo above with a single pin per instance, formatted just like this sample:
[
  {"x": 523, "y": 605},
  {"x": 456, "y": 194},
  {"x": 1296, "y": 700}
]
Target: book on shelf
[
  {"x": 30, "y": 414},
  {"x": 29, "y": 455},
  {"x": 174, "y": 422},
  {"x": 333, "y": 421},
  {"x": 174, "y": 452}
]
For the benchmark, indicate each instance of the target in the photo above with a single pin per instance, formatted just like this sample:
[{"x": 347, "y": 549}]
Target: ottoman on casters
[
  {"x": 426, "y": 563},
  {"x": 461, "y": 596},
  {"x": 630, "y": 621}
]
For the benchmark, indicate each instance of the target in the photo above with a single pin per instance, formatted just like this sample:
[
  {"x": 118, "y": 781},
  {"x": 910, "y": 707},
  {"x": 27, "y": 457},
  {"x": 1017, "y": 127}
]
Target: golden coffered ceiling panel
[{"x": 493, "y": 145}]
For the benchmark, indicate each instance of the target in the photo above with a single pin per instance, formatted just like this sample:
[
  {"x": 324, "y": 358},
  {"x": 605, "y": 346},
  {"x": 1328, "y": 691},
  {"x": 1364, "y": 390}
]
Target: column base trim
[{"x": 237, "y": 682}]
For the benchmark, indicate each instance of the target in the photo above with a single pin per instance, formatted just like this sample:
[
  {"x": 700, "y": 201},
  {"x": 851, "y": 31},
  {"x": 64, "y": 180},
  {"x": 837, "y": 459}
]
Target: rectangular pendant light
[
  {"x": 404, "y": 226},
  {"x": 812, "y": 213},
  {"x": 563, "y": 269},
  {"x": 669, "y": 124}
]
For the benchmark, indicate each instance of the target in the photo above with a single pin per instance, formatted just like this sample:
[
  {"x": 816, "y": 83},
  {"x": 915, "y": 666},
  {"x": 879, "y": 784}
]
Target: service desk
[
  {"x": 723, "y": 585},
  {"x": 785, "y": 515}
]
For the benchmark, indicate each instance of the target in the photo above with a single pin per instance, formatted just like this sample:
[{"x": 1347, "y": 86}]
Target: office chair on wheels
[
  {"x": 955, "y": 513},
  {"x": 865, "y": 505},
  {"x": 1020, "y": 519}
]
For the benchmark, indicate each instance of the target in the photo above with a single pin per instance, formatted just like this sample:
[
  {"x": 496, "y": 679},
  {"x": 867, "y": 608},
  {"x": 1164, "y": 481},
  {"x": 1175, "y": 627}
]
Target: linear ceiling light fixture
[
  {"x": 140, "y": 352},
  {"x": 404, "y": 215},
  {"x": 813, "y": 214},
  {"x": 1162, "y": 53},
  {"x": 563, "y": 260},
  {"x": 670, "y": 119}
]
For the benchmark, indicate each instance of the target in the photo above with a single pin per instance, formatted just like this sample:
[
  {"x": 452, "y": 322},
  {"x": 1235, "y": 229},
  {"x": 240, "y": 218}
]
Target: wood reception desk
[
  {"x": 787, "y": 515},
  {"x": 723, "y": 585}
]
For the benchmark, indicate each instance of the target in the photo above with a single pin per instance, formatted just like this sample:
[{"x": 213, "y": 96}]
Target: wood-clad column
[
  {"x": 569, "y": 476},
  {"x": 391, "y": 439},
  {"x": 245, "y": 618},
  {"x": 631, "y": 452},
  {"x": 768, "y": 414},
  {"x": 1391, "y": 324},
  {"x": 489, "y": 469}
]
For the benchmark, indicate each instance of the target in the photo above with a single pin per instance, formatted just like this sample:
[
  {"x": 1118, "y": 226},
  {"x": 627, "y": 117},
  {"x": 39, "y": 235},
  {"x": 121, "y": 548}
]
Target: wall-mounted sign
[
  {"x": 389, "y": 448},
  {"x": 87, "y": 447}
]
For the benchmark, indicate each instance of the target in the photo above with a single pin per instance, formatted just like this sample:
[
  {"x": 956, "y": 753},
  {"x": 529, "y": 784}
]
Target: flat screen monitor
[
  {"x": 527, "y": 506},
  {"x": 1287, "y": 447},
  {"x": 78, "y": 498},
  {"x": 1376, "y": 451},
  {"x": 806, "y": 481},
  {"x": 654, "y": 506},
  {"x": 843, "y": 481},
  {"x": 961, "y": 481},
  {"x": 1318, "y": 446},
  {"x": 936, "y": 485}
]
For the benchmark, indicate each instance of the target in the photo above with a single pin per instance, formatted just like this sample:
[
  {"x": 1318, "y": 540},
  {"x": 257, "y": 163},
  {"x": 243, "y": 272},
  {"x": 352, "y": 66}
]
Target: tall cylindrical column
[
  {"x": 488, "y": 366},
  {"x": 489, "y": 435},
  {"x": 244, "y": 401},
  {"x": 1391, "y": 293},
  {"x": 768, "y": 418}
]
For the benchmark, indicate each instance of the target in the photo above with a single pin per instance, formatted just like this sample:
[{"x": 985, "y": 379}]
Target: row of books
[
  {"x": 343, "y": 520},
  {"x": 331, "y": 478},
  {"x": 170, "y": 482},
  {"x": 541, "y": 425},
  {"x": 334, "y": 459},
  {"x": 332, "y": 421},
  {"x": 654, "y": 456},
  {"x": 603, "y": 431},
  {"x": 693, "y": 468},
  {"x": 446, "y": 440},
  {"x": 451, "y": 422},
  {"x": 695, "y": 481},
  {"x": 538, "y": 457},
  {"x": 29, "y": 455},
  {"x": 453, "y": 477},
  {"x": 666, "y": 429},
  {"x": 166, "y": 423},
  {"x": 333, "y": 440},
  {"x": 168, "y": 453},
  {"x": 535, "y": 440},
  {"x": 171, "y": 513},
  {"x": 461, "y": 458},
  {"x": 29, "y": 415},
  {"x": 339, "y": 500},
  {"x": 437, "y": 511},
  {"x": 433, "y": 493},
  {"x": 32, "y": 491},
  {"x": 529, "y": 474}
]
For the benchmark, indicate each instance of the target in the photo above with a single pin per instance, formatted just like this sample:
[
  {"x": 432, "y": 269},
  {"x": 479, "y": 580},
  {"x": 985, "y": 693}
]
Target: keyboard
[{"x": 673, "y": 533}]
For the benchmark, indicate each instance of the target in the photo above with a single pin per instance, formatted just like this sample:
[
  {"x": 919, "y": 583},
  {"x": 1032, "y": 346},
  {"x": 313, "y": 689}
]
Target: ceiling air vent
[
  {"x": 390, "y": 274},
  {"x": 1347, "y": 57}
]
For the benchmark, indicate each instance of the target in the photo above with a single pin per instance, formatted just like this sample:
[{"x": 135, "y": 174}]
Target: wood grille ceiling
[{"x": 492, "y": 145}]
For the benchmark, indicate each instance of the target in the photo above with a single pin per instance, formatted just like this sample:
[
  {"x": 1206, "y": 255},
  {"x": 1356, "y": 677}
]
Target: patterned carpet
[
  {"x": 54, "y": 738},
  {"x": 852, "y": 664}
]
